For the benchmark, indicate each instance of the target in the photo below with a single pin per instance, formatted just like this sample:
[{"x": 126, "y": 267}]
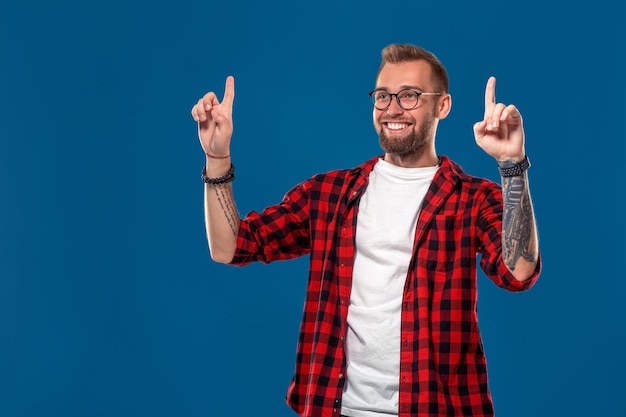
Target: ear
[{"x": 443, "y": 106}]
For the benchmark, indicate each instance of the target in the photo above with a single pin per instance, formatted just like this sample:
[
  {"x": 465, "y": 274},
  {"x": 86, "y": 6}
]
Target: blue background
[{"x": 109, "y": 302}]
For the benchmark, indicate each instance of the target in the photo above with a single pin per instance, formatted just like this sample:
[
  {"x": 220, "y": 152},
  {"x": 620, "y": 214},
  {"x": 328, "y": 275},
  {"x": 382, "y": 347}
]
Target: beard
[{"x": 412, "y": 144}]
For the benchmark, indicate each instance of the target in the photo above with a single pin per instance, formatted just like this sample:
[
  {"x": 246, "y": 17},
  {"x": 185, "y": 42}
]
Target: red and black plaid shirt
[{"x": 442, "y": 364}]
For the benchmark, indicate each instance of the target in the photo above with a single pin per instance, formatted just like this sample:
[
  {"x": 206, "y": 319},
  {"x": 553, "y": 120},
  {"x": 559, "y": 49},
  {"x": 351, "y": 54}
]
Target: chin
[{"x": 408, "y": 145}]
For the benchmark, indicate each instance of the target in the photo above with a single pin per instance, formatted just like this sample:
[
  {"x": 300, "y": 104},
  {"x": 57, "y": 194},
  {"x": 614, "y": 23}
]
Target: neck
[{"x": 427, "y": 159}]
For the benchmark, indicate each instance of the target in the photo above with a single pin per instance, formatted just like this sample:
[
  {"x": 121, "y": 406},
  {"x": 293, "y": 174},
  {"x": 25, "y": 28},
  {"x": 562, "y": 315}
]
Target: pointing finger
[
  {"x": 490, "y": 97},
  {"x": 229, "y": 91}
]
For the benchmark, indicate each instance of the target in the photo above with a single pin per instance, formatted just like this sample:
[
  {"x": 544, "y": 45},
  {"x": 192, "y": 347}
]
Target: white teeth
[{"x": 396, "y": 126}]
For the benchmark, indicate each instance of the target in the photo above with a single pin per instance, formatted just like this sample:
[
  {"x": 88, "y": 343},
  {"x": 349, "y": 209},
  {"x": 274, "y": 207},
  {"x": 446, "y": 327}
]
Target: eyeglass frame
[{"x": 419, "y": 93}]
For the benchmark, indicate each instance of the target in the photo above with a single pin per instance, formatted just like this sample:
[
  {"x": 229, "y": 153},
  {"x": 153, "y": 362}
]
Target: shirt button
[{"x": 340, "y": 376}]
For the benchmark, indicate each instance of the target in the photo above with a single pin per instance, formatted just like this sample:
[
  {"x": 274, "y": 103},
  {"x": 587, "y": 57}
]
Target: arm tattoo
[
  {"x": 224, "y": 195},
  {"x": 517, "y": 222}
]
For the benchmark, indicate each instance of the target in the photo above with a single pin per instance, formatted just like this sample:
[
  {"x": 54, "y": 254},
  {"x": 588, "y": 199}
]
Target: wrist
[
  {"x": 508, "y": 161},
  {"x": 513, "y": 168},
  {"x": 210, "y": 155},
  {"x": 209, "y": 178},
  {"x": 217, "y": 166}
]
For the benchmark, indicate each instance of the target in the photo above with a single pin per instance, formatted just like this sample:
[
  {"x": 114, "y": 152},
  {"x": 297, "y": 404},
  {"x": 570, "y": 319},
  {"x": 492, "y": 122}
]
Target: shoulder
[
  {"x": 330, "y": 185},
  {"x": 340, "y": 177},
  {"x": 477, "y": 187},
  {"x": 452, "y": 170}
]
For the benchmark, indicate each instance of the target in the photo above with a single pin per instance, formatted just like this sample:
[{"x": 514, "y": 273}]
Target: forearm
[
  {"x": 221, "y": 216},
  {"x": 520, "y": 246}
]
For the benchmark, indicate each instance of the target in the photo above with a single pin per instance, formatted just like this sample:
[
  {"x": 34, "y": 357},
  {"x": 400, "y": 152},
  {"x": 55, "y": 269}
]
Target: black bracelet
[
  {"x": 515, "y": 170},
  {"x": 228, "y": 177}
]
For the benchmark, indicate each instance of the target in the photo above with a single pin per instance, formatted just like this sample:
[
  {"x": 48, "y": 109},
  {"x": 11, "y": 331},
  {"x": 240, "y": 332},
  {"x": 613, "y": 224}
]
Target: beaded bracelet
[{"x": 224, "y": 179}]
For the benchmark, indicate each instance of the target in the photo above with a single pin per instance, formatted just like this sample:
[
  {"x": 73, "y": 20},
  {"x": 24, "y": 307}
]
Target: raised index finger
[
  {"x": 490, "y": 96},
  {"x": 229, "y": 91}
]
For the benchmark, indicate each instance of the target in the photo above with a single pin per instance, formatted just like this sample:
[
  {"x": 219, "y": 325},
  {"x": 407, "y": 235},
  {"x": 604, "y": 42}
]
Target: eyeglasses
[{"x": 407, "y": 98}]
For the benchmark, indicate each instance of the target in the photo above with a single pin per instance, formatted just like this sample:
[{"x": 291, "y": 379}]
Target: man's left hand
[{"x": 501, "y": 133}]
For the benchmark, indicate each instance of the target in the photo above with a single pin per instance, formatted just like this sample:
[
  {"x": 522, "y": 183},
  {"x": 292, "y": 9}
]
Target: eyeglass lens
[{"x": 407, "y": 99}]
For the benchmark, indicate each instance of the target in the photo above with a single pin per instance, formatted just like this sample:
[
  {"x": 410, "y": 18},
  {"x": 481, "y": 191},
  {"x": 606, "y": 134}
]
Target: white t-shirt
[{"x": 385, "y": 233}]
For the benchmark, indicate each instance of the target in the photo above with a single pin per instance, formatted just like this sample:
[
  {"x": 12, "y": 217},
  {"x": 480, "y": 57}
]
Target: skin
[
  {"x": 408, "y": 138},
  {"x": 215, "y": 129},
  {"x": 501, "y": 135},
  {"x": 421, "y": 122}
]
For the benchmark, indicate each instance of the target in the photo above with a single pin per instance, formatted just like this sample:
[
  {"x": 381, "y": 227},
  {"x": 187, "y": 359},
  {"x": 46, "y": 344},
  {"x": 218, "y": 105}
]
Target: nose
[{"x": 394, "y": 107}]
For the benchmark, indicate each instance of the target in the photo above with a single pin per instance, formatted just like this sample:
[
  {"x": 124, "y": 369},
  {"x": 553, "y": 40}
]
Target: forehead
[{"x": 405, "y": 74}]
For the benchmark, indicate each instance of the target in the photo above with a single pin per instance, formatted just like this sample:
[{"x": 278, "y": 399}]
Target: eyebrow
[{"x": 402, "y": 87}]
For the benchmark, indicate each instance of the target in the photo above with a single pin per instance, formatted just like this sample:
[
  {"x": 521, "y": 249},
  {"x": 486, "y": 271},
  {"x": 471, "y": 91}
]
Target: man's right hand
[{"x": 215, "y": 121}]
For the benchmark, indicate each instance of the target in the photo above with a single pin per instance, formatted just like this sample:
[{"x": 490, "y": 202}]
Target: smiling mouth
[{"x": 396, "y": 126}]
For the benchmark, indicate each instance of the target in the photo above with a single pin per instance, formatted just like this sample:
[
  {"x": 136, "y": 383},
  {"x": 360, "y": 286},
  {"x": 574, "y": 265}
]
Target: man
[{"x": 390, "y": 324}]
